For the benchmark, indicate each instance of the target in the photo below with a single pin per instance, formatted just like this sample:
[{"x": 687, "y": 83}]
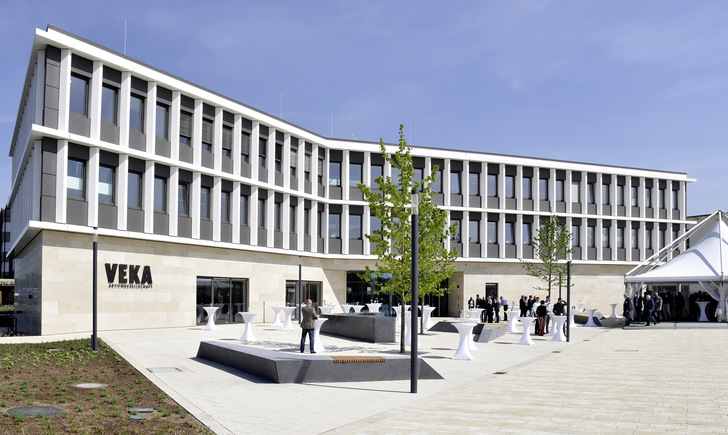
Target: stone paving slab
[{"x": 657, "y": 379}]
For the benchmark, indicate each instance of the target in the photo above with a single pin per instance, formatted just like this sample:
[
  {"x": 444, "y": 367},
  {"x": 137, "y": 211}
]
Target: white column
[
  {"x": 195, "y": 203},
  {"x": 235, "y": 202},
  {"x": 173, "y": 200},
  {"x": 39, "y": 89},
  {"x": 148, "y": 197},
  {"x": 215, "y": 215},
  {"x": 124, "y": 107},
  {"x": 61, "y": 181},
  {"x": 345, "y": 187},
  {"x": 174, "y": 125},
  {"x": 94, "y": 107},
  {"x": 197, "y": 134},
  {"x": 286, "y": 229},
  {"x": 237, "y": 143},
  {"x": 92, "y": 185},
  {"x": 253, "y": 209},
  {"x": 254, "y": 145},
  {"x": 37, "y": 157},
  {"x": 150, "y": 115},
  {"x": 217, "y": 140},
  {"x": 64, "y": 91},
  {"x": 122, "y": 188},
  {"x": 446, "y": 183}
]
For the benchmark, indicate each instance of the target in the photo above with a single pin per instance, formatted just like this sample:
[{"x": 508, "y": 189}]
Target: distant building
[{"x": 200, "y": 199}]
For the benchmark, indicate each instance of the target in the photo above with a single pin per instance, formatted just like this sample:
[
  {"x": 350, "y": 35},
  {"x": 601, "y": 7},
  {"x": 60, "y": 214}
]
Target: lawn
[{"x": 45, "y": 374}]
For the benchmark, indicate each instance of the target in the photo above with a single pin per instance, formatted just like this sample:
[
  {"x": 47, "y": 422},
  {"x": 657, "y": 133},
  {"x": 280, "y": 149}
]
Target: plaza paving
[{"x": 665, "y": 378}]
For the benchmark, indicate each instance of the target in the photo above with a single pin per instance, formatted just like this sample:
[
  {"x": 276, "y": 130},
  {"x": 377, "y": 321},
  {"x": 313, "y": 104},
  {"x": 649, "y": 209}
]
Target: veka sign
[{"x": 128, "y": 276}]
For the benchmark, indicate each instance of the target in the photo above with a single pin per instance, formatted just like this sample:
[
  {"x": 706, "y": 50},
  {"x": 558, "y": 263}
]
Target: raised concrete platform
[
  {"x": 286, "y": 367},
  {"x": 491, "y": 331},
  {"x": 371, "y": 327}
]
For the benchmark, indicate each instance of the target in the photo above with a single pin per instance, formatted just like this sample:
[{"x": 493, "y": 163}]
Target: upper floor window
[
  {"x": 306, "y": 221},
  {"x": 605, "y": 237},
  {"x": 492, "y": 232},
  {"x": 162, "y": 121},
  {"x": 648, "y": 238},
  {"x": 106, "y": 184},
  {"x": 185, "y": 128},
  {"x": 437, "y": 183},
  {"x": 560, "y": 190},
  {"x": 279, "y": 157},
  {"x": 492, "y": 185},
  {"x": 245, "y": 147},
  {"x": 134, "y": 190},
  {"x": 633, "y": 196},
  {"x": 109, "y": 104},
  {"x": 526, "y": 233},
  {"x": 590, "y": 242},
  {"x": 527, "y": 188},
  {"x": 605, "y": 194},
  {"x": 277, "y": 221},
  {"x": 160, "y": 194},
  {"x": 183, "y": 199},
  {"x": 648, "y": 197},
  {"x": 334, "y": 173},
  {"x": 294, "y": 162},
  {"x": 510, "y": 236},
  {"x": 261, "y": 213},
  {"x": 395, "y": 176},
  {"x": 335, "y": 225},
  {"x": 510, "y": 186},
  {"x": 620, "y": 237},
  {"x": 575, "y": 191},
  {"x": 208, "y": 132},
  {"x": 292, "y": 219},
  {"x": 455, "y": 183},
  {"x": 262, "y": 152},
  {"x": 375, "y": 224},
  {"x": 354, "y": 174},
  {"x": 355, "y": 226},
  {"x": 590, "y": 194},
  {"x": 79, "y": 94},
  {"x": 474, "y": 184},
  {"x": 634, "y": 242},
  {"x": 244, "y": 209},
  {"x": 620, "y": 194},
  {"x": 76, "y": 179},
  {"x": 543, "y": 189},
  {"x": 225, "y": 206},
  {"x": 455, "y": 235},
  {"x": 661, "y": 198},
  {"x": 575, "y": 235},
  {"x": 227, "y": 141},
  {"x": 136, "y": 113},
  {"x": 474, "y": 231},
  {"x": 675, "y": 196},
  {"x": 307, "y": 166}
]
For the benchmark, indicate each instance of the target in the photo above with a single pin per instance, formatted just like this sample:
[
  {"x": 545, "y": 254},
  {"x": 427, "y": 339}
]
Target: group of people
[
  {"x": 529, "y": 307},
  {"x": 491, "y": 308},
  {"x": 663, "y": 305}
]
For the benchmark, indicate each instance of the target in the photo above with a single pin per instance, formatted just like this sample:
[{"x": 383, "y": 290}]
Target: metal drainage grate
[
  {"x": 500, "y": 373},
  {"x": 556, "y": 351},
  {"x": 163, "y": 369},
  {"x": 627, "y": 350}
]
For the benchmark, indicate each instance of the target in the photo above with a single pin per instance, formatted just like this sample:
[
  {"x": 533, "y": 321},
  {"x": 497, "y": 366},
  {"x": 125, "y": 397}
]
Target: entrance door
[
  {"x": 229, "y": 295},
  {"x": 310, "y": 290}
]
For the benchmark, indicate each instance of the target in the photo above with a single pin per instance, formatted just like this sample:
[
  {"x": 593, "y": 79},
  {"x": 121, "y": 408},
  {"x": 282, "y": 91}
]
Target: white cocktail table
[
  {"x": 276, "y": 315},
  {"x": 614, "y": 310},
  {"x": 327, "y": 309},
  {"x": 210, "y": 318},
  {"x": 427, "y": 312},
  {"x": 346, "y": 308},
  {"x": 248, "y": 333},
  {"x": 317, "y": 345},
  {"x": 373, "y": 307},
  {"x": 357, "y": 308},
  {"x": 288, "y": 313},
  {"x": 512, "y": 322},
  {"x": 580, "y": 306},
  {"x": 703, "y": 315},
  {"x": 559, "y": 328},
  {"x": 526, "y": 337},
  {"x": 465, "y": 330},
  {"x": 590, "y": 322}
]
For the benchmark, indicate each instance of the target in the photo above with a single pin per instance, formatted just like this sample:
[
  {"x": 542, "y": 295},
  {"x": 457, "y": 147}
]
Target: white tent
[{"x": 706, "y": 262}]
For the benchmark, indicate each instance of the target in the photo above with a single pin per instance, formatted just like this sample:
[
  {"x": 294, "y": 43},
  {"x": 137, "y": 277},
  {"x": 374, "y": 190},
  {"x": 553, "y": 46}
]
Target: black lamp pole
[
  {"x": 300, "y": 290},
  {"x": 568, "y": 298},
  {"x": 415, "y": 298}
]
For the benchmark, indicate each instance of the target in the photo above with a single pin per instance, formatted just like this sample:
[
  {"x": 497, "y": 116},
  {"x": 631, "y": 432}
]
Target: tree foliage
[
  {"x": 390, "y": 200},
  {"x": 551, "y": 247}
]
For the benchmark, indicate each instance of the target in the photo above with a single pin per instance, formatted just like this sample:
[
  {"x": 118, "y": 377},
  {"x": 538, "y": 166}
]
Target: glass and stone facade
[{"x": 201, "y": 199}]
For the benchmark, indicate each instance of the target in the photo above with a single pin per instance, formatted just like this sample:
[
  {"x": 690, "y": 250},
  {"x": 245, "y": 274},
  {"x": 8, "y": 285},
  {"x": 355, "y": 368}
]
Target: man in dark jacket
[
  {"x": 541, "y": 313},
  {"x": 649, "y": 309},
  {"x": 627, "y": 309},
  {"x": 308, "y": 324}
]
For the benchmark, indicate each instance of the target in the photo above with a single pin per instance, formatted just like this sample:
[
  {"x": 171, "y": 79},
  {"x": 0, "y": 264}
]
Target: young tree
[
  {"x": 390, "y": 201},
  {"x": 551, "y": 245}
]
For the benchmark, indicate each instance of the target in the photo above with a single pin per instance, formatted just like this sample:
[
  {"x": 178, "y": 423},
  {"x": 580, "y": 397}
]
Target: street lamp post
[
  {"x": 568, "y": 298},
  {"x": 94, "y": 336},
  {"x": 415, "y": 284},
  {"x": 299, "y": 299}
]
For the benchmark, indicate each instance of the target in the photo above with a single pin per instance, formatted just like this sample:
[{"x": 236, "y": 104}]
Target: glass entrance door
[
  {"x": 310, "y": 290},
  {"x": 229, "y": 295}
]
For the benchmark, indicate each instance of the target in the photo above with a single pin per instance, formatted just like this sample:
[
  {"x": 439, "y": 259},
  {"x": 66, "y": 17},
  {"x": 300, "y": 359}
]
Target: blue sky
[{"x": 619, "y": 82}]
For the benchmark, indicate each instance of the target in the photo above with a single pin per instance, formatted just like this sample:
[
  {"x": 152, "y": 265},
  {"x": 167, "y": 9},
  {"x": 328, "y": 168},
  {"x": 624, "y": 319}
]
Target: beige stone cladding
[
  {"x": 170, "y": 300},
  {"x": 595, "y": 285}
]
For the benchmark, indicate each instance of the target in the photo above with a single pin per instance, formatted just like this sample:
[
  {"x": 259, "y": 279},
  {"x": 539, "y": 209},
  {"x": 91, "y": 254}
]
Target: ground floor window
[
  {"x": 309, "y": 290},
  {"x": 230, "y": 295}
]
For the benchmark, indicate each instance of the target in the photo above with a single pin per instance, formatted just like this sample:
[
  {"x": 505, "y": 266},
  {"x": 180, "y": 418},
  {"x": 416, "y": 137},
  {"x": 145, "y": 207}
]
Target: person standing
[
  {"x": 504, "y": 304},
  {"x": 308, "y": 324},
  {"x": 658, "y": 307},
  {"x": 523, "y": 306},
  {"x": 627, "y": 309},
  {"x": 496, "y": 309},
  {"x": 638, "y": 307},
  {"x": 649, "y": 309},
  {"x": 471, "y": 303},
  {"x": 541, "y": 314},
  {"x": 559, "y": 308}
]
